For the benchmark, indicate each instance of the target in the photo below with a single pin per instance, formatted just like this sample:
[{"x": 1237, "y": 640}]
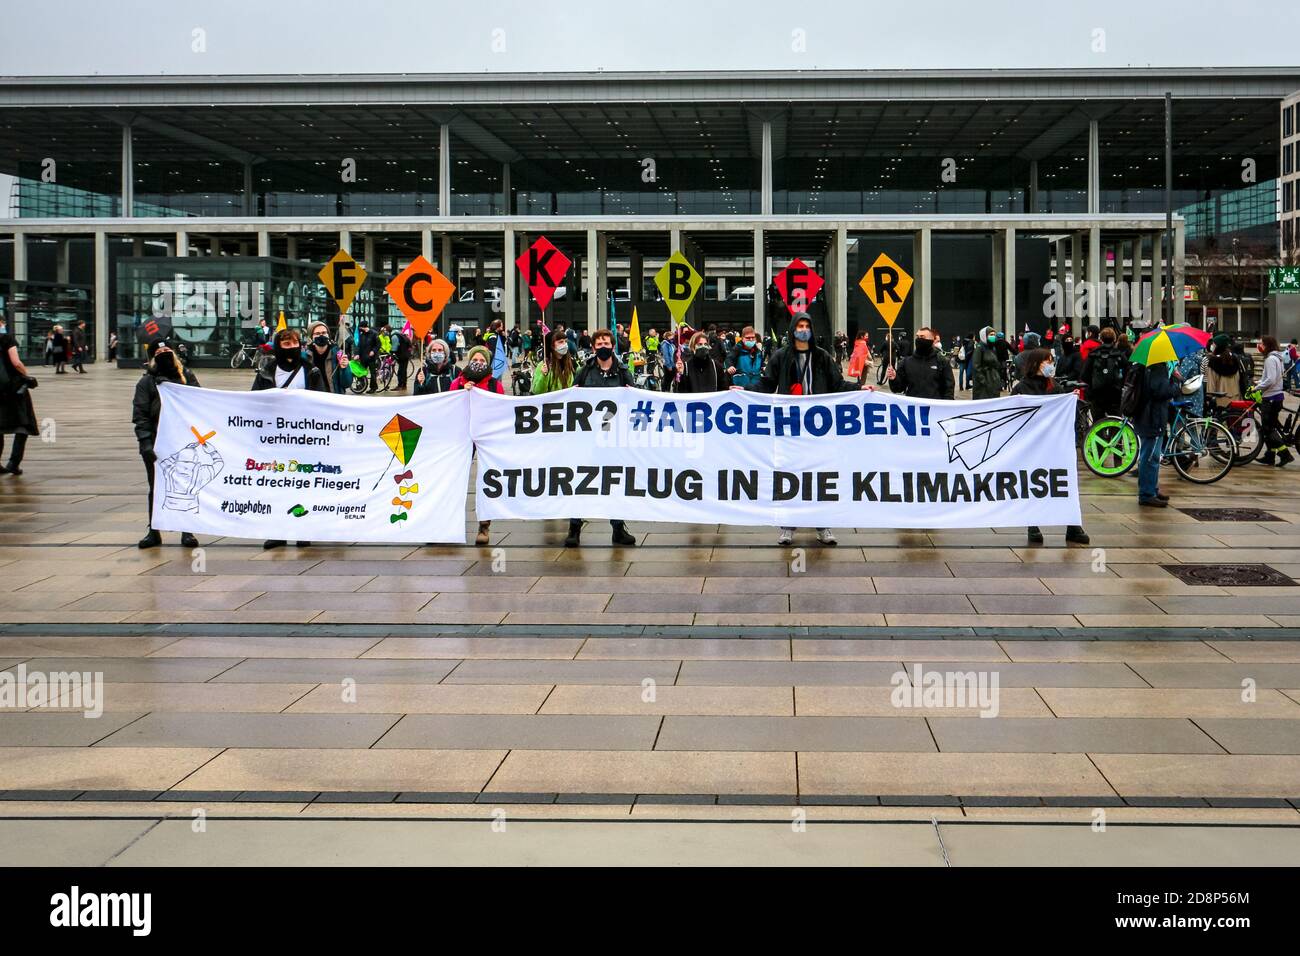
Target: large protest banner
[
  {"x": 852, "y": 459},
  {"x": 310, "y": 466}
]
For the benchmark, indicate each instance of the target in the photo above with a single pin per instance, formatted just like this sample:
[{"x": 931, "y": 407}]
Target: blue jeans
[{"x": 1149, "y": 465}]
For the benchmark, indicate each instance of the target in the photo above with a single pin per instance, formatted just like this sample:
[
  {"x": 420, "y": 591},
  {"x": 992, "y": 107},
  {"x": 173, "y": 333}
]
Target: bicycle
[
  {"x": 1242, "y": 417},
  {"x": 1110, "y": 448},
  {"x": 241, "y": 355},
  {"x": 385, "y": 372},
  {"x": 1082, "y": 410}
]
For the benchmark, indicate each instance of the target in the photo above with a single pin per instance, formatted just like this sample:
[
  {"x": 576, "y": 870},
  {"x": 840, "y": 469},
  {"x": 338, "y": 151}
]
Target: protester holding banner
[
  {"x": 164, "y": 366},
  {"x": 557, "y": 368},
  {"x": 602, "y": 370},
  {"x": 1040, "y": 379},
  {"x": 802, "y": 368},
  {"x": 923, "y": 374},
  {"x": 700, "y": 370},
  {"x": 477, "y": 373},
  {"x": 438, "y": 371},
  {"x": 290, "y": 368},
  {"x": 321, "y": 356}
]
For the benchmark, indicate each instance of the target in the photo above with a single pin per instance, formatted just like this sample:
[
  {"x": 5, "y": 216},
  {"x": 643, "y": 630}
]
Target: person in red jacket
[{"x": 477, "y": 373}]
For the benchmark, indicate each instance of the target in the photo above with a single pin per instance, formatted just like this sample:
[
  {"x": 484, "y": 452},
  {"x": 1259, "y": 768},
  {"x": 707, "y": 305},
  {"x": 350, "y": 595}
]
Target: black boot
[
  {"x": 188, "y": 540},
  {"x": 1267, "y": 458},
  {"x": 150, "y": 540},
  {"x": 1075, "y": 534},
  {"x": 268, "y": 545},
  {"x": 1035, "y": 535},
  {"x": 575, "y": 535},
  {"x": 622, "y": 537},
  {"x": 1284, "y": 457}
]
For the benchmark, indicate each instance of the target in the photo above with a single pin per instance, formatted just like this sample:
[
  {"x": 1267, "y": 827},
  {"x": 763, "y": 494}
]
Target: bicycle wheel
[
  {"x": 1082, "y": 423},
  {"x": 1248, "y": 432},
  {"x": 385, "y": 378},
  {"x": 1110, "y": 448},
  {"x": 1202, "y": 450},
  {"x": 237, "y": 359},
  {"x": 359, "y": 383}
]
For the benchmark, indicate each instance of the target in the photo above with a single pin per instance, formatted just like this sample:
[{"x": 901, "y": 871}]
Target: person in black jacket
[
  {"x": 1160, "y": 384},
  {"x": 368, "y": 353},
  {"x": 700, "y": 370},
  {"x": 321, "y": 355},
  {"x": 291, "y": 368},
  {"x": 402, "y": 354},
  {"x": 163, "y": 366},
  {"x": 437, "y": 372},
  {"x": 602, "y": 370},
  {"x": 923, "y": 374},
  {"x": 802, "y": 368},
  {"x": 79, "y": 349},
  {"x": 1040, "y": 379}
]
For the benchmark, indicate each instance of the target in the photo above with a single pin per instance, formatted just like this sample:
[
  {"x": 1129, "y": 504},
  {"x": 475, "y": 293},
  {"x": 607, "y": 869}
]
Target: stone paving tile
[
  {"x": 1068, "y": 651},
  {"x": 879, "y": 702},
  {"x": 802, "y": 619},
  {"x": 981, "y": 620},
  {"x": 213, "y": 601},
  {"x": 1218, "y": 675},
  {"x": 300, "y": 670},
  {"x": 803, "y": 583},
  {"x": 532, "y": 732},
  {"x": 1246, "y": 736},
  {"x": 1281, "y": 652},
  {"x": 1069, "y": 735},
  {"x": 1219, "y": 606},
  {"x": 990, "y": 774},
  {"x": 680, "y": 649},
  {"x": 1181, "y": 775},
  {"x": 203, "y": 698},
  {"x": 567, "y": 771},
  {"x": 1042, "y": 675},
  {"x": 350, "y": 566},
  {"x": 564, "y": 672},
  {"x": 885, "y": 650},
  {"x": 669, "y": 699},
  {"x": 966, "y": 585},
  {"x": 440, "y": 583},
  {"x": 532, "y": 569},
  {"x": 713, "y": 603},
  {"x": 83, "y": 646},
  {"x": 732, "y": 733},
  {"x": 1174, "y": 620},
  {"x": 138, "y": 669},
  {"x": 83, "y": 768},
  {"x": 587, "y": 618},
  {"x": 786, "y": 674},
  {"x": 972, "y": 568},
  {"x": 224, "y": 566},
  {"x": 251, "y": 730},
  {"x": 1060, "y": 604},
  {"x": 879, "y": 603},
  {"x": 354, "y": 770},
  {"x": 496, "y": 648},
  {"x": 424, "y": 699},
  {"x": 1166, "y": 702},
  {"x": 53, "y": 729},
  {"x": 318, "y": 647},
  {"x": 589, "y": 584},
  {"x": 316, "y": 583},
  {"x": 590, "y": 604}
]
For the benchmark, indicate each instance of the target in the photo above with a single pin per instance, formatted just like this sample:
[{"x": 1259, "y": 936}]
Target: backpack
[
  {"x": 1108, "y": 371},
  {"x": 1130, "y": 399}
]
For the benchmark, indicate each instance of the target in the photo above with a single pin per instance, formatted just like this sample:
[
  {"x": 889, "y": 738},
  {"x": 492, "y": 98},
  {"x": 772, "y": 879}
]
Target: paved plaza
[{"x": 703, "y": 677}]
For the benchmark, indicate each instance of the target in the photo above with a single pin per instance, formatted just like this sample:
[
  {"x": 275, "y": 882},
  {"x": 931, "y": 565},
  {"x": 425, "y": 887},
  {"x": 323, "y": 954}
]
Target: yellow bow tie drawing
[{"x": 409, "y": 490}]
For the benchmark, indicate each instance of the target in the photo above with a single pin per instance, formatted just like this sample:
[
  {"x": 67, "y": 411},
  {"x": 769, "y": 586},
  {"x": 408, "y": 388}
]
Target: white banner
[
  {"x": 850, "y": 459},
  {"x": 310, "y": 466}
]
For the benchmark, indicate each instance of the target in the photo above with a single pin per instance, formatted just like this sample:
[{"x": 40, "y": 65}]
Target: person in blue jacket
[{"x": 745, "y": 363}]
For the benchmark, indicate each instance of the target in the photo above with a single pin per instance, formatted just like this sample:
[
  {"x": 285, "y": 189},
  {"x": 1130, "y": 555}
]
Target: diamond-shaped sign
[
  {"x": 678, "y": 283},
  {"x": 343, "y": 278},
  {"x": 421, "y": 292},
  {"x": 887, "y": 286},
  {"x": 543, "y": 266},
  {"x": 798, "y": 285}
]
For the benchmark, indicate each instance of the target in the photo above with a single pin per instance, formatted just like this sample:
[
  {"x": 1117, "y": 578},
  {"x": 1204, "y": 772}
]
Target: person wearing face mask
[
  {"x": 367, "y": 353},
  {"x": 477, "y": 373},
  {"x": 17, "y": 414},
  {"x": 923, "y": 374},
  {"x": 1069, "y": 363},
  {"x": 699, "y": 370},
  {"x": 745, "y": 362},
  {"x": 986, "y": 367},
  {"x": 1272, "y": 392},
  {"x": 163, "y": 366},
  {"x": 291, "y": 368},
  {"x": 803, "y": 368},
  {"x": 321, "y": 355},
  {"x": 437, "y": 372},
  {"x": 557, "y": 368},
  {"x": 1040, "y": 379},
  {"x": 602, "y": 370}
]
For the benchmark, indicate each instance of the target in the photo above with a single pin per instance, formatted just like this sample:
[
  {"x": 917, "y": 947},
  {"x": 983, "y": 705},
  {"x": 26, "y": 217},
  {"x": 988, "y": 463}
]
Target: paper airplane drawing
[{"x": 977, "y": 437}]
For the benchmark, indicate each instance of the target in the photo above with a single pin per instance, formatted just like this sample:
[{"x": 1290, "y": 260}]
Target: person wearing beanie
[
  {"x": 1031, "y": 341},
  {"x": 163, "y": 366},
  {"x": 289, "y": 368},
  {"x": 923, "y": 374},
  {"x": 477, "y": 373},
  {"x": 438, "y": 371},
  {"x": 804, "y": 368},
  {"x": 986, "y": 367}
]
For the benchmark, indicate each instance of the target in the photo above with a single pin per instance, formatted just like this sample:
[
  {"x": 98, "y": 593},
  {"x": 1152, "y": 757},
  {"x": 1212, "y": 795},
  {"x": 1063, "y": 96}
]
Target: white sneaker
[
  {"x": 827, "y": 537},
  {"x": 787, "y": 536}
]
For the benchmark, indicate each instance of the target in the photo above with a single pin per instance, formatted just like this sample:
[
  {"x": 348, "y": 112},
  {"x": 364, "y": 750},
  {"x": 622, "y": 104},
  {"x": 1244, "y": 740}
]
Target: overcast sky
[{"x": 77, "y": 37}]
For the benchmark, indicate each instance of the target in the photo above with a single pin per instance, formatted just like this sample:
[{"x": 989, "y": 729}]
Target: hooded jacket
[
  {"x": 147, "y": 404},
  {"x": 782, "y": 372},
  {"x": 591, "y": 375},
  {"x": 986, "y": 369},
  {"x": 923, "y": 376}
]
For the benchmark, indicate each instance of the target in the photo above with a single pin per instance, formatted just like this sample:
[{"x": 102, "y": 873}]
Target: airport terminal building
[{"x": 1013, "y": 198}]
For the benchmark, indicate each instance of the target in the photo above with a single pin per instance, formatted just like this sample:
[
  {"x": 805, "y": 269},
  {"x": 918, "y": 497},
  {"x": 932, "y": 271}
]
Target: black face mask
[
  {"x": 166, "y": 364},
  {"x": 476, "y": 372},
  {"x": 604, "y": 352},
  {"x": 702, "y": 353},
  {"x": 924, "y": 347},
  {"x": 322, "y": 341},
  {"x": 287, "y": 358}
]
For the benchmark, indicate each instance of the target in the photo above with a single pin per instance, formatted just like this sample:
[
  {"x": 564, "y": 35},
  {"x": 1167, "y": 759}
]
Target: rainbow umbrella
[{"x": 1169, "y": 343}]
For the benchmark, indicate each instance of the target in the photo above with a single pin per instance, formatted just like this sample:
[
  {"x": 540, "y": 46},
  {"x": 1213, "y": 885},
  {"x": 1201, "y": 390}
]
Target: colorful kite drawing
[{"x": 401, "y": 435}]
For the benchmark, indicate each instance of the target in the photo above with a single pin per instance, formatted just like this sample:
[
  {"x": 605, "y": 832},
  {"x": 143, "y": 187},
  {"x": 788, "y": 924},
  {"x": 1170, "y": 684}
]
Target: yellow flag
[
  {"x": 634, "y": 333},
  {"x": 281, "y": 325}
]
